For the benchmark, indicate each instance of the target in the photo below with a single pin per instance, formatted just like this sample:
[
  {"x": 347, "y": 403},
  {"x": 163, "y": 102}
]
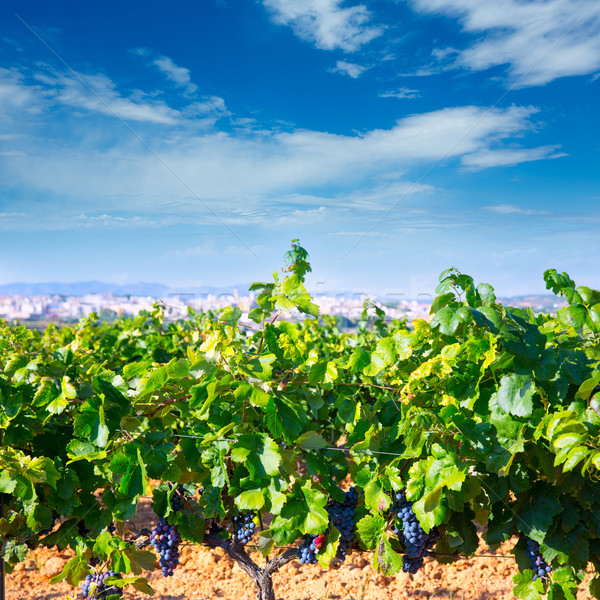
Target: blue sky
[{"x": 188, "y": 142}]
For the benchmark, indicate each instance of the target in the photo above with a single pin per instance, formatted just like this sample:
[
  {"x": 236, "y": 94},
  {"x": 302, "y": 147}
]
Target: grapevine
[{"x": 485, "y": 415}]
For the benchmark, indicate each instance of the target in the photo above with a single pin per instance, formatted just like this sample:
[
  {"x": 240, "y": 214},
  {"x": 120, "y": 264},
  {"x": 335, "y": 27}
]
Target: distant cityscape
[{"x": 43, "y": 308}]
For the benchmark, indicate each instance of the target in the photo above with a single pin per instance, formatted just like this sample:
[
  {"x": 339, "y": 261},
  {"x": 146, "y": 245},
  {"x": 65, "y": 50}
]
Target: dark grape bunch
[
  {"x": 416, "y": 542},
  {"x": 165, "y": 538},
  {"x": 341, "y": 514},
  {"x": 244, "y": 527},
  {"x": 101, "y": 590},
  {"x": 307, "y": 553},
  {"x": 177, "y": 498},
  {"x": 540, "y": 567}
]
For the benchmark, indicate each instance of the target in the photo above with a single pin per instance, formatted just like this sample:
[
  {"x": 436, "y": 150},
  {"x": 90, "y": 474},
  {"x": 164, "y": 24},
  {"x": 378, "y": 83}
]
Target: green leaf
[
  {"x": 140, "y": 560},
  {"x": 535, "y": 519},
  {"x": 486, "y": 292},
  {"x": 154, "y": 381},
  {"x": 370, "y": 529},
  {"x": 90, "y": 424},
  {"x": 7, "y": 485},
  {"x": 358, "y": 360},
  {"x": 42, "y": 470},
  {"x": 254, "y": 395},
  {"x": 572, "y": 316},
  {"x": 375, "y": 498},
  {"x": 178, "y": 368},
  {"x": 440, "y": 301},
  {"x": 78, "y": 450},
  {"x": 311, "y": 440},
  {"x": 251, "y": 500},
  {"x": 317, "y": 519},
  {"x": 256, "y": 315},
  {"x": 515, "y": 395},
  {"x": 385, "y": 559},
  {"x": 74, "y": 571},
  {"x": 46, "y": 392},
  {"x": 432, "y": 500},
  {"x": 526, "y": 588}
]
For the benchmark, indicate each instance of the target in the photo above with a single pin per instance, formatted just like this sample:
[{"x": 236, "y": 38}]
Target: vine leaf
[
  {"x": 526, "y": 588},
  {"x": 515, "y": 395}
]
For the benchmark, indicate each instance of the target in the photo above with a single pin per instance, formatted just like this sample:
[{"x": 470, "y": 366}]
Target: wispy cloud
[
  {"x": 351, "y": 69},
  {"x": 207, "y": 250},
  {"x": 229, "y": 170},
  {"x": 180, "y": 76},
  {"x": 401, "y": 93},
  {"x": 98, "y": 93},
  {"x": 513, "y": 209},
  {"x": 15, "y": 94},
  {"x": 540, "y": 40},
  {"x": 509, "y": 157},
  {"x": 326, "y": 23}
]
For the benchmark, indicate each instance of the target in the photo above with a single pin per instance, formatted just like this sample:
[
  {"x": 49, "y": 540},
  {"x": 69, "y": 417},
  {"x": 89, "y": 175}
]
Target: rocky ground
[{"x": 208, "y": 574}]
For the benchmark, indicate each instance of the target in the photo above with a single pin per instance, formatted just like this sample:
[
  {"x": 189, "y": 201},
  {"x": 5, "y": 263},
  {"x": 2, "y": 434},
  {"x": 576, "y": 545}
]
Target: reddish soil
[{"x": 208, "y": 574}]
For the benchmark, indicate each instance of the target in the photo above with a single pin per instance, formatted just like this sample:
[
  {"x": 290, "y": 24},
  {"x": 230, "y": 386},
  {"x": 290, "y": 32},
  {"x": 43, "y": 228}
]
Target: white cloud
[
  {"x": 16, "y": 95},
  {"x": 13, "y": 215},
  {"x": 98, "y": 93},
  {"x": 180, "y": 76},
  {"x": 325, "y": 23},
  {"x": 221, "y": 173},
  {"x": 400, "y": 93},
  {"x": 209, "y": 250},
  {"x": 509, "y": 157},
  {"x": 112, "y": 222},
  {"x": 351, "y": 69},
  {"x": 513, "y": 209},
  {"x": 211, "y": 106},
  {"x": 540, "y": 40}
]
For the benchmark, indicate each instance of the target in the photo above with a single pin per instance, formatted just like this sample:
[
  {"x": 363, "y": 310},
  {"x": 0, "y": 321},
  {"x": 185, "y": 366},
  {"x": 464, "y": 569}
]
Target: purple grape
[
  {"x": 165, "y": 538},
  {"x": 101, "y": 590},
  {"x": 416, "y": 542}
]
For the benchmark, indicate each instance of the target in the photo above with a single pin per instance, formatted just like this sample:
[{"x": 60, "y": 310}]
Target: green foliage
[{"x": 485, "y": 413}]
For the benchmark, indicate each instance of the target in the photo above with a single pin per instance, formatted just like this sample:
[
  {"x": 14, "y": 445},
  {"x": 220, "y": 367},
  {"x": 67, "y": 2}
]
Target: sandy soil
[{"x": 208, "y": 574}]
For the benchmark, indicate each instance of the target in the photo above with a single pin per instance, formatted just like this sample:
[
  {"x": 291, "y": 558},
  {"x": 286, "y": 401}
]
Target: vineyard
[{"x": 408, "y": 443}]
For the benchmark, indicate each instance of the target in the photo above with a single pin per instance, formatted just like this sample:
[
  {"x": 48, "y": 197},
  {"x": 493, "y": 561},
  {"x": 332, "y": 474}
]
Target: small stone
[{"x": 53, "y": 567}]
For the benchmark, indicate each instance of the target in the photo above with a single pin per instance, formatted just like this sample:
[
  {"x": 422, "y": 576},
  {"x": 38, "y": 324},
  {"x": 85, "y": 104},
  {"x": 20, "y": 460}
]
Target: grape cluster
[
  {"x": 416, "y": 542},
  {"x": 165, "y": 538},
  {"x": 307, "y": 553},
  {"x": 101, "y": 590},
  {"x": 341, "y": 514},
  {"x": 244, "y": 527},
  {"x": 177, "y": 498},
  {"x": 540, "y": 567}
]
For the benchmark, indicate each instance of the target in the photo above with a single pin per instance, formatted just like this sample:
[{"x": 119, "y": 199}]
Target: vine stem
[
  {"x": 262, "y": 578},
  {"x": 166, "y": 403}
]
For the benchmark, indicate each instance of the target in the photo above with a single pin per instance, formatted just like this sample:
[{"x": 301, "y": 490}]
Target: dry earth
[{"x": 208, "y": 574}]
